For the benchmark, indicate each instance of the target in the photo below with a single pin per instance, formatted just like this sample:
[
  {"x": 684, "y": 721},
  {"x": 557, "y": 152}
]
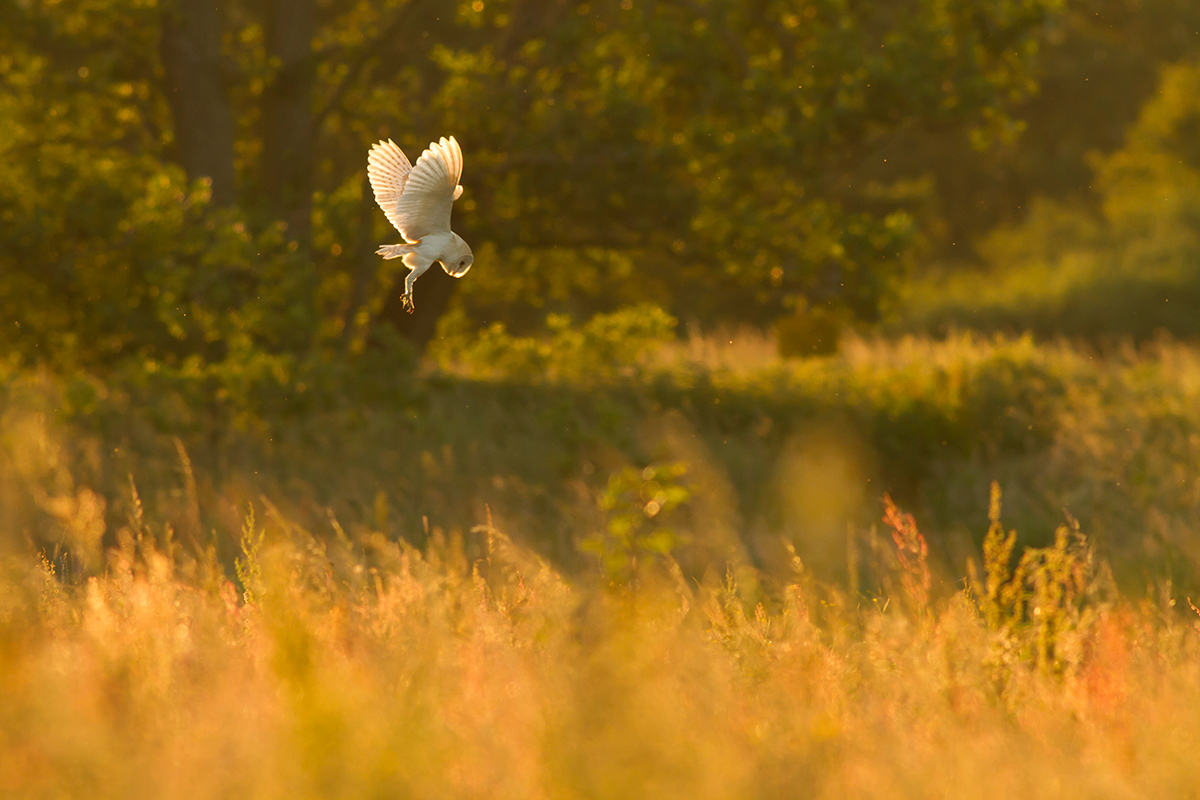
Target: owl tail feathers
[{"x": 394, "y": 250}]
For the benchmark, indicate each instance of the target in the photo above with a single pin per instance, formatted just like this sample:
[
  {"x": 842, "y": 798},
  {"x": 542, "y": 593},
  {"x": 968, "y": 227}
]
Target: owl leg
[{"x": 417, "y": 270}]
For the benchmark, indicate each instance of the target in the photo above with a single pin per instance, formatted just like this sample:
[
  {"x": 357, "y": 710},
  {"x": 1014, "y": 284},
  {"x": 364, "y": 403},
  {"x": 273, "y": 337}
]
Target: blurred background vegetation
[
  {"x": 186, "y": 179},
  {"x": 821, "y": 416},
  {"x": 771, "y": 241}
]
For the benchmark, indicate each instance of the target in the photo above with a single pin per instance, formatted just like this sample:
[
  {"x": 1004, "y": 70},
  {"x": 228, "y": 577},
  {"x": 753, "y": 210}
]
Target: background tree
[
  {"x": 194, "y": 185},
  {"x": 1099, "y": 62}
]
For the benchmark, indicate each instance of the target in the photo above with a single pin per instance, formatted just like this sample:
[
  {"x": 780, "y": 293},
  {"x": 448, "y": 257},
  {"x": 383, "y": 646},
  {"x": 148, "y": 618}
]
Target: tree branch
[{"x": 370, "y": 51}]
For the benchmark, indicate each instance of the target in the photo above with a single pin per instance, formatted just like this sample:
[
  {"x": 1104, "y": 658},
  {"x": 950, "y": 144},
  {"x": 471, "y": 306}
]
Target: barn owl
[{"x": 417, "y": 200}]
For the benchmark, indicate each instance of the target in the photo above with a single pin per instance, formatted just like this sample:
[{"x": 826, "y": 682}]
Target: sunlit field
[
  {"x": 357, "y": 668},
  {"x": 365, "y": 668},
  {"x": 183, "y": 616},
  {"x": 797, "y": 399}
]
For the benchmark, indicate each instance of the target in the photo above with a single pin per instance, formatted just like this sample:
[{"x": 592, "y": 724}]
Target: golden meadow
[{"x": 911, "y": 569}]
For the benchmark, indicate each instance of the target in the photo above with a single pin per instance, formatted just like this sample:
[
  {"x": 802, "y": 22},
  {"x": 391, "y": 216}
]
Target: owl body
[
  {"x": 417, "y": 200},
  {"x": 449, "y": 249}
]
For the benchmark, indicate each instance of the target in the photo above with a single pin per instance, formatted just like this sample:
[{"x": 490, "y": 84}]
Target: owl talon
[{"x": 407, "y": 302}]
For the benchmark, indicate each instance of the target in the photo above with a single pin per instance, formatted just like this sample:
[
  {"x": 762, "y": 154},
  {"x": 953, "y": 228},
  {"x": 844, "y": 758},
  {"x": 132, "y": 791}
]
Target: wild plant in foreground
[
  {"x": 912, "y": 552},
  {"x": 1047, "y": 601}
]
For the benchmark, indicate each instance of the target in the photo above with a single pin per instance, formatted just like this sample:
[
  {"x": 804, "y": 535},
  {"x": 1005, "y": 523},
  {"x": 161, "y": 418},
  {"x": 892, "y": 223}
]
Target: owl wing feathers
[
  {"x": 416, "y": 198},
  {"x": 388, "y": 169}
]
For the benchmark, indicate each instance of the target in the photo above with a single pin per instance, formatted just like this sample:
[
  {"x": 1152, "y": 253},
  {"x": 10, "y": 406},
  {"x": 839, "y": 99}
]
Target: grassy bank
[{"x": 798, "y": 451}]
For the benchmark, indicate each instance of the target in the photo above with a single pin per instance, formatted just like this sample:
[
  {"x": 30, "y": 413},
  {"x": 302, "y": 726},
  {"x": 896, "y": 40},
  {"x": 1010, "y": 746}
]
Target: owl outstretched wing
[
  {"x": 388, "y": 169},
  {"x": 416, "y": 198}
]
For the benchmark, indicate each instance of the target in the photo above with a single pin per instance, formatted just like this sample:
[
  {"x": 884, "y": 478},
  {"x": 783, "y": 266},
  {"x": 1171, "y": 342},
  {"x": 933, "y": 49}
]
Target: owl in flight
[{"x": 417, "y": 200}]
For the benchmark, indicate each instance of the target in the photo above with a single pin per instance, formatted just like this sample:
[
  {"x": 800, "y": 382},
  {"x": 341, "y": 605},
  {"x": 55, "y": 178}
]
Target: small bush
[
  {"x": 810, "y": 331},
  {"x": 606, "y": 347},
  {"x": 641, "y": 520}
]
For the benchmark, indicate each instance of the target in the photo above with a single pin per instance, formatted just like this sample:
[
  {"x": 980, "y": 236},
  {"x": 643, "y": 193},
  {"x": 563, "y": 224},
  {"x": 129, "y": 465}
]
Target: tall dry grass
[
  {"x": 270, "y": 635},
  {"x": 336, "y": 666}
]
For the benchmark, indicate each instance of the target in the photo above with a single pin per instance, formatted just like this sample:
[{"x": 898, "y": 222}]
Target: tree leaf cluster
[{"x": 184, "y": 179}]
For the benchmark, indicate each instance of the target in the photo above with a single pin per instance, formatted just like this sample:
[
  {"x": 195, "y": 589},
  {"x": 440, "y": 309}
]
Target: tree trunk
[
  {"x": 191, "y": 56},
  {"x": 365, "y": 264},
  {"x": 287, "y": 112}
]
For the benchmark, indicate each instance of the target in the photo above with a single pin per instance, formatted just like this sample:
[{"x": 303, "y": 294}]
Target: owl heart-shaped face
[{"x": 459, "y": 266}]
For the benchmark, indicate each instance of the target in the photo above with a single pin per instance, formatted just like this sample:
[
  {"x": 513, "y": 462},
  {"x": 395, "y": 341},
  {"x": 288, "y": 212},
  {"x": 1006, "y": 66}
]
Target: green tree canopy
[{"x": 185, "y": 179}]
